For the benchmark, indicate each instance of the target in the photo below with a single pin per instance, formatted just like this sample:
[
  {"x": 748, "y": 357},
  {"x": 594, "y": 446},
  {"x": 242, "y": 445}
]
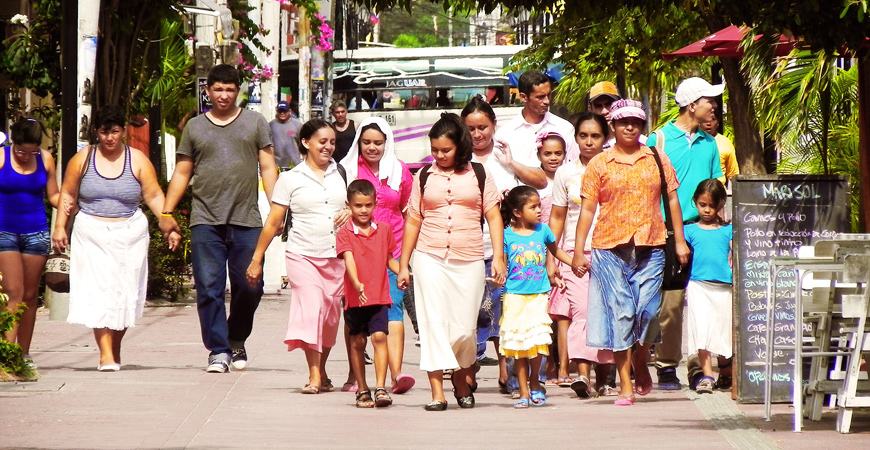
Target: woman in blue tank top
[
  {"x": 109, "y": 251},
  {"x": 27, "y": 175}
]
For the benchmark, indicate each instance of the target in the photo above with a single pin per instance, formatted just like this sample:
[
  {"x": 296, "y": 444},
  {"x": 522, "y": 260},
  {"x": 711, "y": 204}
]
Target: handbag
[
  {"x": 675, "y": 276},
  {"x": 58, "y": 264},
  {"x": 57, "y": 272}
]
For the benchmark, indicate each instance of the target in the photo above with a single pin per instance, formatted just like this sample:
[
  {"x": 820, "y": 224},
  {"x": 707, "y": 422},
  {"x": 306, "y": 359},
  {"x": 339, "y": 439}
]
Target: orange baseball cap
[{"x": 603, "y": 88}]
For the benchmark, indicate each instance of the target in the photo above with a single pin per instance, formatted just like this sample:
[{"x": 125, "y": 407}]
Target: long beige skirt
[{"x": 447, "y": 296}]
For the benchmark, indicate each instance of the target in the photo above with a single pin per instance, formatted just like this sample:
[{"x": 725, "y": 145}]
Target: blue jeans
[
  {"x": 37, "y": 243},
  {"x": 216, "y": 248},
  {"x": 624, "y": 296}
]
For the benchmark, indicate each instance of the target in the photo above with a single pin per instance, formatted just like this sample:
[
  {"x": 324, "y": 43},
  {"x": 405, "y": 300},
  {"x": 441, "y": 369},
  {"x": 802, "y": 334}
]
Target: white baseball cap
[{"x": 691, "y": 89}]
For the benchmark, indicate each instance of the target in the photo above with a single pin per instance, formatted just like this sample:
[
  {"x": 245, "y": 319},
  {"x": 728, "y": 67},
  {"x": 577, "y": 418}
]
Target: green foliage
[
  {"x": 626, "y": 43},
  {"x": 414, "y": 28},
  {"x": 249, "y": 32},
  {"x": 169, "y": 271},
  {"x": 11, "y": 355},
  {"x": 31, "y": 57}
]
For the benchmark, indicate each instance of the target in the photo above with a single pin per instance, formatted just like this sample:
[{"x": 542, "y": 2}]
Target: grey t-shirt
[
  {"x": 284, "y": 136},
  {"x": 225, "y": 168}
]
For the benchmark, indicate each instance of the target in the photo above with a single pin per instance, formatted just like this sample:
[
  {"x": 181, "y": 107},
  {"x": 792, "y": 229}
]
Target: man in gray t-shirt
[
  {"x": 284, "y": 129},
  {"x": 223, "y": 149}
]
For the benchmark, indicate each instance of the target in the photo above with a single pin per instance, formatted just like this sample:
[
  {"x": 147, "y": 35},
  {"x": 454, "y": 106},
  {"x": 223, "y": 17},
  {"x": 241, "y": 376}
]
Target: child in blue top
[
  {"x": 525, "y": 324},
  {"x": 709, "y": 291}
]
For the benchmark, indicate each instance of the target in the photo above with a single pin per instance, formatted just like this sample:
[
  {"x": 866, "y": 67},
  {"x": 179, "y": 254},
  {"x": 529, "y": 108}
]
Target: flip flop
[
  {"x": 310, "y": 389},
  {"x": 349, "y": 387},
  {"x": 404, "y": 383},
  {"x": 327, "y": 386},
  {"x": 566, "y": 381},
  {"x": 581, "y": 387},
  {"x": 538, "y": 398},
  {"x": 624, "y": 400},
  {"x": 522, "y": 403}
]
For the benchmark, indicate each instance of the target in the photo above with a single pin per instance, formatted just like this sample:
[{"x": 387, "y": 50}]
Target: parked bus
[{"x": 411, "y": 87}]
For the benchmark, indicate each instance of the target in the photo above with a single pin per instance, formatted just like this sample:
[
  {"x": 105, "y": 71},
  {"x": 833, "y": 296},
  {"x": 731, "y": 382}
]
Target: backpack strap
[
  {"x": 660, "y": 140},
  {"x": 424, "y": 176},
  {"x": 343, "y": 172},
  {"x": 479, "y": 172}
]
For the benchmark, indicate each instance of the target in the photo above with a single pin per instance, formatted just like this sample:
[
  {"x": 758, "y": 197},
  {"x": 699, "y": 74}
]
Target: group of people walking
[{"x": 514, "y": 236}]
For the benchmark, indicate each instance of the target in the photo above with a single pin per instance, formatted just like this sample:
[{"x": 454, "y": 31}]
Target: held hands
[
  {"x": 554, "y": 276},
  {"x": 174, "y": 239},
  {"x": 253, "y": 274},
  {"x": 498, "y": 272},
  {"x": 168, "y": 225},
  {"x": 403, "y": 278},
  {"x": 580, "y": 266}
]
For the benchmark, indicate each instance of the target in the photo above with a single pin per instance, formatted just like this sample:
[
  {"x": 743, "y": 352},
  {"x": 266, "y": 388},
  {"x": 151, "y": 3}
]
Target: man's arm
[
  {"x": 268, "y": 170},
  {"x": 177, "y": 186}
]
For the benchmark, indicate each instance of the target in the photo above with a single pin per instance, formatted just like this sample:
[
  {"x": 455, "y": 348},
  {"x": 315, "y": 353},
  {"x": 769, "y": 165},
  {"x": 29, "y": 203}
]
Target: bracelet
[{"x": 166, "y": 214}]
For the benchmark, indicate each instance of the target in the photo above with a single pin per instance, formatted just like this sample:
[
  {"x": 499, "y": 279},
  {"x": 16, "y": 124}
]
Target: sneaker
[
  {"x": 668, "y": 380},
  {"x": 218, "y": 363},
  {"x": 694, "y": 380},
  {"x": 368, "y": 359},
  {"x": 240, "y": 358}
]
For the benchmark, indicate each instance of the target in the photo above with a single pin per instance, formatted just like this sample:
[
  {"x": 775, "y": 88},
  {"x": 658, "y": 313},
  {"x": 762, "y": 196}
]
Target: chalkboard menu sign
[{"x": 773, "y": 216}]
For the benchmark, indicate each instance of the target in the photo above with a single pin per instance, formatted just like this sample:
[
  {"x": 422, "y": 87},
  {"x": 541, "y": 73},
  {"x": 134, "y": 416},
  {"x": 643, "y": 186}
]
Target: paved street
[{"x": 163, "y": 399}]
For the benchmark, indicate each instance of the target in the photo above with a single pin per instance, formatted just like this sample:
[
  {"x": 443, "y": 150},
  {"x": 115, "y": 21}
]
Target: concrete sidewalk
[{"x": 164, "y": 399}]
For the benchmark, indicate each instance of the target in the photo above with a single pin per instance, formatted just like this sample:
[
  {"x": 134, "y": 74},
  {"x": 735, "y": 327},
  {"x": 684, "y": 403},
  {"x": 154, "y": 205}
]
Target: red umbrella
[{"x": 725, "y": 43}]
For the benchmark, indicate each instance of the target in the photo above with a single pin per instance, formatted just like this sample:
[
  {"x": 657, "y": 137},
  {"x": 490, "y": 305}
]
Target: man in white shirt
[{"x": 516, "y": 138}]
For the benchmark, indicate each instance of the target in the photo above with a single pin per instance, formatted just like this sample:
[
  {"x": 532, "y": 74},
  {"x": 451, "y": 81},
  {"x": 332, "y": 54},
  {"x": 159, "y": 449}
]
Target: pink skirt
[
  {"x": 316, "y": 288},
  {"x": 577, "y": 296}
]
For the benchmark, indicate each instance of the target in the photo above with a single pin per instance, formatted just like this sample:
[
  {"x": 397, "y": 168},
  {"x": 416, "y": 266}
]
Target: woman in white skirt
[
  {"x": 105, "y": 183},
  {"x": 444, "y": 227}
]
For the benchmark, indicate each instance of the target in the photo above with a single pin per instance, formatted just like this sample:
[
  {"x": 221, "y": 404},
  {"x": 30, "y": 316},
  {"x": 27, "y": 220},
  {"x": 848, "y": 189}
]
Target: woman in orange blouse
[
  {"x": 627, "y": 246},
  {"x": 444, "y": 227}
]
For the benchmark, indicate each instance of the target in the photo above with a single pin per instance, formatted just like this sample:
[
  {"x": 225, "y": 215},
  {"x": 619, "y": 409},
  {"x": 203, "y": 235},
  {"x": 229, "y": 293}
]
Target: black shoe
[
  {"x": 668, "y": 380},
  {"x": 436, "y": 406},
  {"x": 724, "y": 382},
  {"x": 240, "y": 358},
  {"x": 466, "y": 402},
  {"x": 487, "y": 361},
  {"x": 368, "y": 358}
]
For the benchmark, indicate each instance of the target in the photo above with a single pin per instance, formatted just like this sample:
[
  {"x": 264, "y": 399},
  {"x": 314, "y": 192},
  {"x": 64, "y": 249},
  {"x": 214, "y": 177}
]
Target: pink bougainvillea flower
[{"x": 375, "y": 19}]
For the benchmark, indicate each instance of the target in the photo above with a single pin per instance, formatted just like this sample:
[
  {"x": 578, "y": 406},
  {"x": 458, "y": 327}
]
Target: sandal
[
  {"x": 624, "y": 400},
  {"x": 567, "y": 381},
  {"x": 349, "y": 387},
  {"x": 404, "y": 383},
  {"x": 522, "y": 403},
  {"x": 539, "y": 398},
  {"x": 607, "y": 391},
  {"x": 364, "y": 399},
  {"x": 581, "y": 386},
  {"x": 382, "y": 398},
  {"x": 705, "y": 385},
  {"x": 326, "y": 386},
  {"x": 552, "y": 382},
  {"x": 310, "y": 389}
]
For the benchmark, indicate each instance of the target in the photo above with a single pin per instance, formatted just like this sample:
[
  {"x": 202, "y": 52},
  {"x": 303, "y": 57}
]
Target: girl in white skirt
[
  {"x": 709, "y": 291},
  {"x": 525, "y": 324}
]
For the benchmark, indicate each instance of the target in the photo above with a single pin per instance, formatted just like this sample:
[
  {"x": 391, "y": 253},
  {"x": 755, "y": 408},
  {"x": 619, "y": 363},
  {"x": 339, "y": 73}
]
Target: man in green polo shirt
[{"x": 695, "y": 158}]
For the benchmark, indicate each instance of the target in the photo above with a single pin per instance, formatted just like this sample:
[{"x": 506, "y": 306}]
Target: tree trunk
[
  {"x": 864, "y": 140},
  {"x": 747, "y": 138}
]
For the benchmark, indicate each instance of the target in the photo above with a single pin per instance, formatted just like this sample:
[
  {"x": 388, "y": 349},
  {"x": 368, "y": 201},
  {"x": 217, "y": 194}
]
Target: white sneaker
[
  {"x": 218, "y": 364},
  {"x": 240, "y": 358}
]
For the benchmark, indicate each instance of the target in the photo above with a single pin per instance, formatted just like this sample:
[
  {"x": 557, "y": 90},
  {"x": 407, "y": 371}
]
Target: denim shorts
[
  {"x": 38, "y": 243},
  {"x": 397, "y": 311},
  {"x": 624, "y": 296}
]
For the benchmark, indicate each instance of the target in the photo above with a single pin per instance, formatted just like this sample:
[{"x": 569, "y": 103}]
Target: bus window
[{"x": 414, "y": 98}]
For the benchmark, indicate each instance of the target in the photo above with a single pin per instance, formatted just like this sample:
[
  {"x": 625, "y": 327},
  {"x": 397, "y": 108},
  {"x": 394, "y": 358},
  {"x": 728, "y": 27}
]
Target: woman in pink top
[
  {"x": 372, "y": 157},
  {"x": 444, "y": 226}
]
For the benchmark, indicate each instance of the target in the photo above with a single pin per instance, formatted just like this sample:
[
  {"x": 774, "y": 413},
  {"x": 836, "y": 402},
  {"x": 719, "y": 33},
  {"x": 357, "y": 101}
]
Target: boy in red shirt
[{"x": 367, "y": 293}]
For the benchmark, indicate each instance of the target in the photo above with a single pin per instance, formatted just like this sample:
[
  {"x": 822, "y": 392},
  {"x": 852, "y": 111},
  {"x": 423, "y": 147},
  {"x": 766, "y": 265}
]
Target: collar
[
  {"x": 304, "y": 168},
  {"x": 673, "y": 131},
  {"x": 610, "y": 154},
  {"x": 520, "y": 121},
  {"x": 356, "y": 229}
]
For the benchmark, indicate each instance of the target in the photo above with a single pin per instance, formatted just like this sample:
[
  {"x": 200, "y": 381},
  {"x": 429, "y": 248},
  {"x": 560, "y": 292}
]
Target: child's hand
[
  {"x": 498, "y": 272},
  {"x": 560, "y": 283},
  {"x": 553, "y": 273},
  {"x": 253, "y": 274},
  {"x": 360, "y": 290},
  {"x": 580, "y": 266}
]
